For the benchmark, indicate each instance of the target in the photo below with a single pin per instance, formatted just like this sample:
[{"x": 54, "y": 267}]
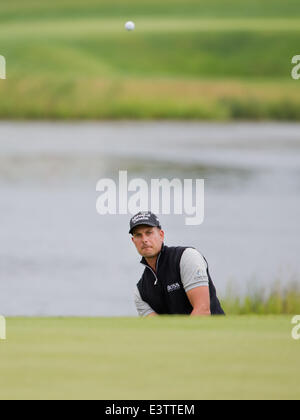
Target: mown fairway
[
  {"x": 187, "y": 59},
  {"x": 165, "y": 358}
]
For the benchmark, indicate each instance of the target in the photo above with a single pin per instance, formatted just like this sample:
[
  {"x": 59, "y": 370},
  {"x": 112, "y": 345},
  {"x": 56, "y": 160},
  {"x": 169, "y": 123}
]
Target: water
[{"x": 59, "y": 257}]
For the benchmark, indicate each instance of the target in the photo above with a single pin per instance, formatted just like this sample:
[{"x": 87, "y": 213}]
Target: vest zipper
[{"x": 156, "y": 278}]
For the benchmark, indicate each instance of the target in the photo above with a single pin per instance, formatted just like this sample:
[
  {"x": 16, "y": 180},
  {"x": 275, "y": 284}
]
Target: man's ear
[{"x": 162, "y": 234}]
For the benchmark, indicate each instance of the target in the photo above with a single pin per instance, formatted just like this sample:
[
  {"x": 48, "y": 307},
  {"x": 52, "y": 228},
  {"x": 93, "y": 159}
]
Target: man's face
[{"x": 148, "y": 240}]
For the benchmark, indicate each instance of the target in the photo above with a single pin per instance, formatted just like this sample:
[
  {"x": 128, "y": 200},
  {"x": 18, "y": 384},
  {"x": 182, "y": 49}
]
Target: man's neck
[{"x": 152, "y": 262}]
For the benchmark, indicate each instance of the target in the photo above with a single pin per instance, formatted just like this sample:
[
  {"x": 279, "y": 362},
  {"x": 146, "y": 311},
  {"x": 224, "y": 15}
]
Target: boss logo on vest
[{"x": 173, "y": 287}]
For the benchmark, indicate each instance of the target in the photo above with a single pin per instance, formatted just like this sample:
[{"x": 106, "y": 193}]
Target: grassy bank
[
  {"x": 131, "y": 98},
  {"x": 277, "y": 300},
  {"x": 191, "y": 60},
  {"x": 166, "y": 358}
]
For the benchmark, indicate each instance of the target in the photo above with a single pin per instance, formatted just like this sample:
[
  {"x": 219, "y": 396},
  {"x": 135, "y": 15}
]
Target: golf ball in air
[{"x": 130, "y": 26}]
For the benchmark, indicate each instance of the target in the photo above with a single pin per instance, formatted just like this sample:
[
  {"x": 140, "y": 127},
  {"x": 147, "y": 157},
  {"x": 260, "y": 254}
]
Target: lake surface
[{"x": 59, "y": 257}]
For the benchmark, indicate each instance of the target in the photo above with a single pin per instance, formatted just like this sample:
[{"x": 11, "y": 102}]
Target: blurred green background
[{"x": 190, "y": 59}]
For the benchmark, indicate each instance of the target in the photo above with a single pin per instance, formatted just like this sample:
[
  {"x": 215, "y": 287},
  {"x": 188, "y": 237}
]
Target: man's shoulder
[
  {"x": 190, "y": 258},
  {"x": 183, "y": 251},
  {"x": 191, "y": 251},
  {"x": 191, "y": 255},
  {"x": 176, "y": 249}
]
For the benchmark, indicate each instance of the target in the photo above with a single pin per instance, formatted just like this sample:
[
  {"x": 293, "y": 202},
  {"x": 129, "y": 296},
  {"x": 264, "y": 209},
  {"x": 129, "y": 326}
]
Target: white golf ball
[{"x": 130, "y": 26}]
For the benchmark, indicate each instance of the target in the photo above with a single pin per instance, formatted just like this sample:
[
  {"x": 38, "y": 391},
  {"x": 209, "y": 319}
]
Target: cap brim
[{"x": 142, "y": 224}]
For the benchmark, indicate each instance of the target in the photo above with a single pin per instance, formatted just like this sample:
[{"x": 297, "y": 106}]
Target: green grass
[
  {"x": 187, "y": 59},
  {"x": 277, "y": 300},
  {"x": 246, "y": 357}
]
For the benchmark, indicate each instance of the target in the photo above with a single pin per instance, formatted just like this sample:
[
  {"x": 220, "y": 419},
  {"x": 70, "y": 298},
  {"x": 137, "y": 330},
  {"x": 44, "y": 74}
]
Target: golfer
[{"x": 176, "y": 280}]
